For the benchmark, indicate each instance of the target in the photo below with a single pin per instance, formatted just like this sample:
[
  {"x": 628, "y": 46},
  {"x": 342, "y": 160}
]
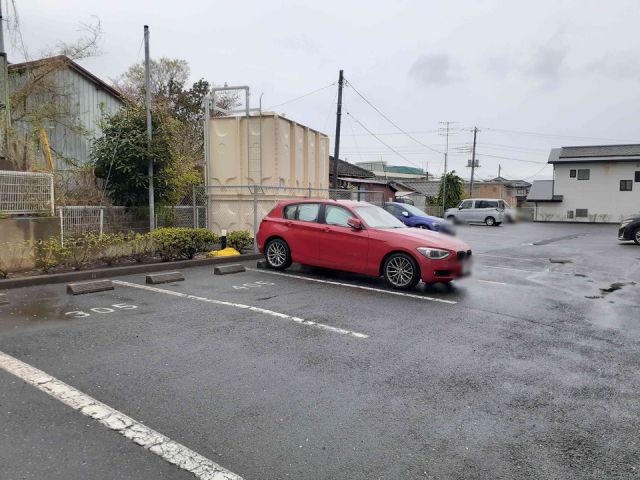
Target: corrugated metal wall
[{"x": 84, "y": 100}]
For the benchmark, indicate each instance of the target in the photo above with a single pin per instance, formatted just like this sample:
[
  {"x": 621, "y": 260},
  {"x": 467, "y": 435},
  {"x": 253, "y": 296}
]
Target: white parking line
[
  {"x": 514, "y": 269},
  {"x": 272, "y": 313},
  {"x": 360, "y": 287},
  {"x": 491, "y": 281},
  {"x": 155, "y": 442}
]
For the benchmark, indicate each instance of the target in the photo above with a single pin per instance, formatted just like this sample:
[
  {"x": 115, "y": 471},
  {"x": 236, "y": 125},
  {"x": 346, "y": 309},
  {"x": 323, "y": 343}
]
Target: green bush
[
  {"x": 48, "y": 254},
  {"x": 139, "y": 247},
  {"x": 112, "y": 246},
  {"x": 239, "y": 239},
  {"x": 181, "y": 243},
  {"x": 83, "y": 249}
]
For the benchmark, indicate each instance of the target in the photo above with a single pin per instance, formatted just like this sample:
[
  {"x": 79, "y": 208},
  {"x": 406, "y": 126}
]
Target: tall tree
[
  {"x": 121, "y": 158},
  {"x": 455, "y": 190}
]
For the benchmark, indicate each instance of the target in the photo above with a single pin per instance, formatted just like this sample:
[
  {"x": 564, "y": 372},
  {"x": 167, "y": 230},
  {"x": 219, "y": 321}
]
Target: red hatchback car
[{"x": 361, "y": 238}]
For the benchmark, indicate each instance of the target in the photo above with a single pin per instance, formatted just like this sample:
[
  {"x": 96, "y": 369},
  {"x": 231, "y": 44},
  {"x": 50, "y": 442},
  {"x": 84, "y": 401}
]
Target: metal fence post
[
  {"x": 255, "y": 218},
  {"x": 61, "y": 227},
  {"x": 51, "y": 195},
  {"x": 195, "y": 210},
  {"x": 101, "y": 221}
]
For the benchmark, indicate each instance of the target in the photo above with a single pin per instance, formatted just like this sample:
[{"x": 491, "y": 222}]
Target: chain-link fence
[
  {"x": 26, "y": 193},
  {"x": 241, "y": 207}
]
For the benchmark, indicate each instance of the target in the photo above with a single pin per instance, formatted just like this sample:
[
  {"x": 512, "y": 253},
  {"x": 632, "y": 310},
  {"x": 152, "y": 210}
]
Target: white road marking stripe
[
  {"x": 149, "y": 439},
  {"x": 371, "y": 289},
  {"x": 491, "y": 281},
  {"x": 515, "y": 269},
  {"x": 544, "y": 260},
  {"x": 272, "y": 313}
]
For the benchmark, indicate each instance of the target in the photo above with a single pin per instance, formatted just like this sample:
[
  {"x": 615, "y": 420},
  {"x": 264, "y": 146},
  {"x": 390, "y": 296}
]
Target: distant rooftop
[
  {"x": 595, "y": 153},
  {"x": 542, "y": 191}
]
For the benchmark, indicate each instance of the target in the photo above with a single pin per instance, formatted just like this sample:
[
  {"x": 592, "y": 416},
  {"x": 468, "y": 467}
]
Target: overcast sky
[{"x": 569, "y": 70}]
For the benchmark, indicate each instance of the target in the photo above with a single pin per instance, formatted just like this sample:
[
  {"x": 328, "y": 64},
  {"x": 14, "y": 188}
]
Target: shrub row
[{"x": 77, "y": 252}]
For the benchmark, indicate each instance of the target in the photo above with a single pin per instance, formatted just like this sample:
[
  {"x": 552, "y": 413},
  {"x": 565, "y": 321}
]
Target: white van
[{"x": 490, "y": 211}]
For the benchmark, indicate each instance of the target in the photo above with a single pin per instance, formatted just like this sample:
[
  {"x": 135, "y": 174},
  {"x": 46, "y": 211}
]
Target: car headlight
[{"x": 434, "y": 253}]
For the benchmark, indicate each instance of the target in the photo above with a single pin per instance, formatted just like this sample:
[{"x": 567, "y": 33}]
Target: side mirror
[
  {"x": 460, "y": 208},
  {"x": 405, "y": 213},
  {"x": 355, "y": 223}
]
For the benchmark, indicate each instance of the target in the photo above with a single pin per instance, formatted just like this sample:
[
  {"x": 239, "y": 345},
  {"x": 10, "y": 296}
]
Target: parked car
[
  {"x": 490, "y": 211},
  {"x": 414, "y": 217},
  {"x": 630, "y": 229},
  {"x": 361, "y": 238}
]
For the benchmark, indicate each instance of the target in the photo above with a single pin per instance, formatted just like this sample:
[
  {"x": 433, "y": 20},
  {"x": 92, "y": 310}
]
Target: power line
[
  {"x": 382, "y": 141},
  {"x": 509, "y": 158},
  {"x": 380, "y": 134},
  {"x": 302, "y": 96},
  {"x": 391, "y": 121},
  {"x": 550, "y": 135}
]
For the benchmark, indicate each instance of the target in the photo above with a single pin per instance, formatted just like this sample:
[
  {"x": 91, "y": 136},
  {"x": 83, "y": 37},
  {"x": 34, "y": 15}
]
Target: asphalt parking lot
[{"x": 528, "y": 369}]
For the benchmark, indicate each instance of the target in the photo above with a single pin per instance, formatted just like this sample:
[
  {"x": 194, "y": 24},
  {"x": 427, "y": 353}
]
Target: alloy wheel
[
  {"x": 276, "y": 254},
  {"x": 400, "y": 272}
]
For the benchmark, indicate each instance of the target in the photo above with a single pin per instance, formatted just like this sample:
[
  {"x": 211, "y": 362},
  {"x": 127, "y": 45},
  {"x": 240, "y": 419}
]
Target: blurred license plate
[{"x": 466, "y": 268}]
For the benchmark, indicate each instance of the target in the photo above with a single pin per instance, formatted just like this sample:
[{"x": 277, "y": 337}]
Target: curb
[{"x": 119, "y": 271}]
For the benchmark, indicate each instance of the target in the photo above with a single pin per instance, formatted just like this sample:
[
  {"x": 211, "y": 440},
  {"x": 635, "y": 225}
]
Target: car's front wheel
[
  {"x": 401, "y": 271},
  {"x": 636, "y": 236},
  {"x": 452, "y": 219},
  {"x": 278, "y": 254},
  {"x": 490, "y": 221}
]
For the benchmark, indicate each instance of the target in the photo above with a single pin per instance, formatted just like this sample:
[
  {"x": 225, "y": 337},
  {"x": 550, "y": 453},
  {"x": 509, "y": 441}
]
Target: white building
[{"x": 590, "y": 184}]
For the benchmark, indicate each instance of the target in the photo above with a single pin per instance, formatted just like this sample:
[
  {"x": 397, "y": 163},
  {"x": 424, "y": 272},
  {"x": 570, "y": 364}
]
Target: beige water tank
[
  {"x": 294, "y": 162},
  {"x": 293, "y": 155}
]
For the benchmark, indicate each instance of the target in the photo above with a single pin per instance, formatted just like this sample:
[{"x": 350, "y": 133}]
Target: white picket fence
[{"x": 23, "y": 193}]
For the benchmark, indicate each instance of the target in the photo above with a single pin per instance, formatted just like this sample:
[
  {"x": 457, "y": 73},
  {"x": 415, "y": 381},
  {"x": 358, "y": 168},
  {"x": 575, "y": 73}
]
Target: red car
[{"x": 361, "y": 238}]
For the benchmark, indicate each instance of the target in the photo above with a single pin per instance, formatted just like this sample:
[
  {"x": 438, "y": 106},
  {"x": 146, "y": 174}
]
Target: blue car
[{"x": 414, "y": 217}]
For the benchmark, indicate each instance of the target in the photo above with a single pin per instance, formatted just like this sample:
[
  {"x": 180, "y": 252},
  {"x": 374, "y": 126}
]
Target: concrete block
[
  {"x": 164, "y": 277},
  {"x": 226, "y": 269},
  {"x": 262, "y": 264},
  {"x": 89, "y": 287}
]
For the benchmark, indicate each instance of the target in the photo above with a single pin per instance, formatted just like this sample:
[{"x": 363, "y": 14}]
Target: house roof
[
  {"x": 350, "y": 170},
  {"x": 595, "y": 153},
  {"x": 17, "y": 67},
  {"x": 509, "y": 183},
  {"x": 542, "y": 191},
  {"x": 429, "y": 188}
]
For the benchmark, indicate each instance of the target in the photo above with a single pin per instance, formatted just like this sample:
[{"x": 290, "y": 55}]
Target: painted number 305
[
  {"x": 117, "y": 306},
  {"x": 252, "y": 285}
]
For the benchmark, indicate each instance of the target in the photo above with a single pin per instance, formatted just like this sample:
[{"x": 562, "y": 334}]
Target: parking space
[{"x": 527, "y": 369}]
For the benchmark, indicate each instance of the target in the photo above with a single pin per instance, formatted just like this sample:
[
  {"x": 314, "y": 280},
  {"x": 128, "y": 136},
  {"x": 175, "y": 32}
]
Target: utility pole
[
  {"x": 147, "y": 87},
  {"x": 473, "y": 160},
  {"x": 5, "y": 113},
  {"x": 444, "y": 177},
  {"x": 499, "y": 169},
  {"x": 336, "y": 151}
]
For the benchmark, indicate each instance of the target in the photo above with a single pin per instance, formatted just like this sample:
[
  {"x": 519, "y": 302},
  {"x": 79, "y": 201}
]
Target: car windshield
[
  {"x": 376, "y": 217},
  {"x": 414, "y": 210}
]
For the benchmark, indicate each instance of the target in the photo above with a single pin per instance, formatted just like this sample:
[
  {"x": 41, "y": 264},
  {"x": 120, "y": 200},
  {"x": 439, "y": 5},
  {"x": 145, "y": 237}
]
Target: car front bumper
[
  {"x": 433, "y": 271},
  {"x": 625, "y": 233}
]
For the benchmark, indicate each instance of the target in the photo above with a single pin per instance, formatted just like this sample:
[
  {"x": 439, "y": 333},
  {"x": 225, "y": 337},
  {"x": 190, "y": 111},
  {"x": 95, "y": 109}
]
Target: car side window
[
  {"x": 337, "y": 216},
  {"x": 482, "y": 204},
  {"x": 491, "y": 204},
  {"x": 290, "y": 212},
  {"x": 501, "y": 204},
  {"x": 392, "y": 209},
  {"x": 466, "y": 204},
  {"x": 308, "y": 212}
]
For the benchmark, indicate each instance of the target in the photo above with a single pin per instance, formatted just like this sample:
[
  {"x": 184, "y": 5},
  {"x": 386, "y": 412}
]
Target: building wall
[
  {"x": 85, "y": 102},
  {"x": 600, "y": 195}
]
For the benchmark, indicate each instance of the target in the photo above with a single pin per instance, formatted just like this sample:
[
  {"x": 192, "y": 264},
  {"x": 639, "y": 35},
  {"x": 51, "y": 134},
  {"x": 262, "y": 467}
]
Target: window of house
[
  {"x": 569, "y": 213},
  {"x": 582, "y": 213},
  {"x": 337, "y": 216},
  {"x": 626, "y": 185},
  {"x": 572, "y": 173},
  {"x": 637, "y": 177},
  {"x": 583, "y": 173}
]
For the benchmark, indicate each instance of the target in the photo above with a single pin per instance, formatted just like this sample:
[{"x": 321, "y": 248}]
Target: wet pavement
[{"x": 528, "y": 369}]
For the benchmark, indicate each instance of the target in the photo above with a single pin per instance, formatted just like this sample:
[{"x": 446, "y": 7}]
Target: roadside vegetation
[{"x": 95, "y": 251}]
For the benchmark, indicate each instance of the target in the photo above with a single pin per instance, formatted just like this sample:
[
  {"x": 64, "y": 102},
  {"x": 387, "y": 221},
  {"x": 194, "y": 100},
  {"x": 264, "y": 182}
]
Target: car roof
[
  {"x": 483, "y": 199},
  {"x": 345, "y": 203}
]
